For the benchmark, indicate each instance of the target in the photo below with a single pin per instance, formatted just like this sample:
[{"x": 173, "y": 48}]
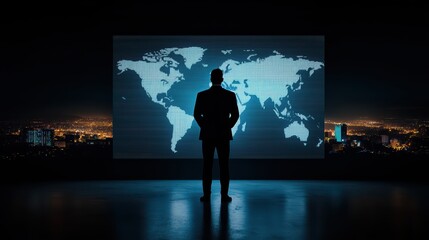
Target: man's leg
[
  {"x": 223, "y": 150},
  {"x": 208, "y": 154}
]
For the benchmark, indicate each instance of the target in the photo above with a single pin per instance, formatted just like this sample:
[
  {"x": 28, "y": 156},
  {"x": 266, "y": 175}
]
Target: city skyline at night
[{"x": 360, "y": 139}]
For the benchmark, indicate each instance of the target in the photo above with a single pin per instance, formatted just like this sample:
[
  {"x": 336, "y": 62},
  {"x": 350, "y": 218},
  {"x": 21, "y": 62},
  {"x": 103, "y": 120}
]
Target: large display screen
[{"x": 278, "y": 82}]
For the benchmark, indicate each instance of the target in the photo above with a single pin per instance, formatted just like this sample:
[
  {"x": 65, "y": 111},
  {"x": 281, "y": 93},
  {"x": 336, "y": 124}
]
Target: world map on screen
[{"x": 267, "y": 80}]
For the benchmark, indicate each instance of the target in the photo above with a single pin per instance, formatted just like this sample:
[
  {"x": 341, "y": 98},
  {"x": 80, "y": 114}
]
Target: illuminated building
[
  {"x": 60, "y": 144},
  {"x": 39, "y": 137},
  {"x": 328, "y": 134},
  {"x": 384, "y": 139},
  {"x": 341, "y": 132},
  {"x": 355, "y": 143}
]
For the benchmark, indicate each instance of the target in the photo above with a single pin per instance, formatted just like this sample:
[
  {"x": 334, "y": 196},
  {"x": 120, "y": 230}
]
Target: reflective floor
[{"x": 172, "y": 210}]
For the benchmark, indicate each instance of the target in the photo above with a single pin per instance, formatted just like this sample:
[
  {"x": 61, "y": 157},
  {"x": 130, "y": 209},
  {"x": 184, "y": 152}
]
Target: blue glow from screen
[{"x": 278, "y": 81}]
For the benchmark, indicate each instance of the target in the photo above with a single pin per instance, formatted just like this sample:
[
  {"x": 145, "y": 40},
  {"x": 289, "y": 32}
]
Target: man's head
[{"x": 216, "y": 76}]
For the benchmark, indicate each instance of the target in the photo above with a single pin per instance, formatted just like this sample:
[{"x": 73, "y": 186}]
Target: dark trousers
[{"x": 222, "y": 147}]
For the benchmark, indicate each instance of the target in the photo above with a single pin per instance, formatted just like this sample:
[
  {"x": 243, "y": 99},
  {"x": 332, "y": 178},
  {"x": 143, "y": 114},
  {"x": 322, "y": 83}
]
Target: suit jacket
[{"x": 216, "y": 112}]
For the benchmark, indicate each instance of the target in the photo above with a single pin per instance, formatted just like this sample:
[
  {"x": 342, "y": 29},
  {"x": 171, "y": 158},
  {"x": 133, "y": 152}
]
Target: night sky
[{"x": 59, "y": 62}]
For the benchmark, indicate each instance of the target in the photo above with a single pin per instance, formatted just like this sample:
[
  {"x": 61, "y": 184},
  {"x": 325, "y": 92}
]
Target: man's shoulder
[
  {"x": 212, "y": 91},
  {"x": 203, "y": 92},
  {"x": 228, "y": 91}
]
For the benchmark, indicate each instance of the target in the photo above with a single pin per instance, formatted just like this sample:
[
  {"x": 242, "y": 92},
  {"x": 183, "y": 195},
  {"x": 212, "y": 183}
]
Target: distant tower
[
  {"x": 48, "y": 137},
  {"x": 341, "y": 132},
  {"x": 39, "y": 137},
  {"x": 384, "y": 139}
]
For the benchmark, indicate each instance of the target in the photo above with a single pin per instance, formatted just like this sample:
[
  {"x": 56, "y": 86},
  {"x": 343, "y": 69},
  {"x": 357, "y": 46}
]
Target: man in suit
[{"x": 216, "y": 112}]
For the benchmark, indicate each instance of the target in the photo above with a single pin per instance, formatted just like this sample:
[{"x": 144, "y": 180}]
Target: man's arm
[
  {"x": 198, "y": 114},
  {"x": 234, "y": 111}
]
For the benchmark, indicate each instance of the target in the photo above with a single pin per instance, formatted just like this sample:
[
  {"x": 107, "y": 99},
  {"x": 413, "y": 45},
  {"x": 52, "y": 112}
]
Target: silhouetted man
[{"x": 216, "y": 112}]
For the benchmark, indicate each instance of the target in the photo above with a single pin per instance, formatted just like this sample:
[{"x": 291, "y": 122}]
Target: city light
[
  {"x": 378, "y": 136},
  {"x": 375, "y": 137}
]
